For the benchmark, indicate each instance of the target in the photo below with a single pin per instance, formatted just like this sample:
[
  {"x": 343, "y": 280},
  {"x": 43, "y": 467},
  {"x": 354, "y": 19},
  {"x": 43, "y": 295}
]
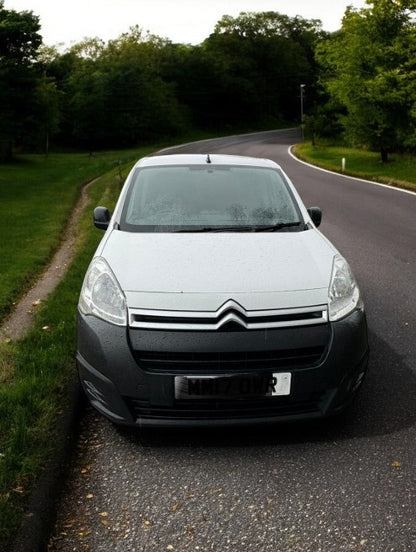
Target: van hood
[{"x": 227, "y": 265}]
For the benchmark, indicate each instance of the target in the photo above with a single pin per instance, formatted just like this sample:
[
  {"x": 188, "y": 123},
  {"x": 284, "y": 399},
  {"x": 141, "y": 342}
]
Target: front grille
[
  {"x": 303, "y": 404},
  {"x": 240, "y": 361},
  {"x": 230, "y": 313}
]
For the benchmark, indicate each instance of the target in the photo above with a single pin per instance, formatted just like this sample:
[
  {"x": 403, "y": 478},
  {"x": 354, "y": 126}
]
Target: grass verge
[
  {"x": 400, "y": 171},
  {"x": 37, "y": 372},
  {"x": 37, "y": 195}
]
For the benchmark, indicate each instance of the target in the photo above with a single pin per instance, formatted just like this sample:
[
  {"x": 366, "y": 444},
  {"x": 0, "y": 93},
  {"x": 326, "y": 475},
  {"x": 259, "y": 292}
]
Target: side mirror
[
  {"x": 102, "y": 218},
  {"x": 316, "y": 215}
]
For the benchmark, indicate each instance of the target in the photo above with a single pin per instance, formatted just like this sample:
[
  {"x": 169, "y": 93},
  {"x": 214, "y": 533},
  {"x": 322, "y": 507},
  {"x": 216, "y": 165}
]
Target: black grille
[
  {"x": 231, "y": 409},
  {"x": 189, "y": 362}
]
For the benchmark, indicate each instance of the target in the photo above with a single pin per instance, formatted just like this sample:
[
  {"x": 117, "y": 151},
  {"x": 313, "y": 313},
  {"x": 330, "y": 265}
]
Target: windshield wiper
[
  {"x": 271, "y": 228},
  {"x": 220, "y": 229},
  {"x": 277, "y": 227}
]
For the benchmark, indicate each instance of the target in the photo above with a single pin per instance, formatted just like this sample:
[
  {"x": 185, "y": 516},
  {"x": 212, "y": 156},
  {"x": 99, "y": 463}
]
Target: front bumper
[{"x": 128, "y": 375}]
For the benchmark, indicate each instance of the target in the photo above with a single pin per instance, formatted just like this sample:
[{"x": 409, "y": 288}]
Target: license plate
[{"x": 233, "y": 386}]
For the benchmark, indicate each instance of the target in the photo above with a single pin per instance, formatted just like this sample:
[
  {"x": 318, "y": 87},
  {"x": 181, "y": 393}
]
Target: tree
[
  {"x": 19, "y": 42},
  {"x": 142, "y": 104},
  {"x": 264, "y": 57},
  {"x": 370, "y": 68},
  {"x": 116, "y": 94}
]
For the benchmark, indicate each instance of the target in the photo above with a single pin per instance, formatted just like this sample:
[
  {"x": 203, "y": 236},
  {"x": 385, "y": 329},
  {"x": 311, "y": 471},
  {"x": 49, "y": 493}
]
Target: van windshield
[{"x": 209, "y": 198}]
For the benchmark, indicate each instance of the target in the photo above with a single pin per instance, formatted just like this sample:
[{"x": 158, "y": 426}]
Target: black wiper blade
[
  {"x": 271, "y": 228},
  {"x": 219, "y": 229},
  {"x": 203, "y": 229},
  {"x": 277, "y": 227}
]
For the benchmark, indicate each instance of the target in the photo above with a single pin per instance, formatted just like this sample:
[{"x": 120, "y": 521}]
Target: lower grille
[
  {"x": 312, "y": 403},
  {"x": 189, "y": 362}
]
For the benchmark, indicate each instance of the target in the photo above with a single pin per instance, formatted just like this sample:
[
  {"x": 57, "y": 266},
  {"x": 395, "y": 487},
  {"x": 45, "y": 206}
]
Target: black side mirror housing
[
  {"x": 102, "y": 218},
  {"x": 316, "y": 215}
]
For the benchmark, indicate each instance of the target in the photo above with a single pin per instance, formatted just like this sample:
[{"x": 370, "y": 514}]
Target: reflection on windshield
[{"x": 176, "y": 198}]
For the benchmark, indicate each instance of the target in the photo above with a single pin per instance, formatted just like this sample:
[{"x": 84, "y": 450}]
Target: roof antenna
[{"x": 209, "y": 159}]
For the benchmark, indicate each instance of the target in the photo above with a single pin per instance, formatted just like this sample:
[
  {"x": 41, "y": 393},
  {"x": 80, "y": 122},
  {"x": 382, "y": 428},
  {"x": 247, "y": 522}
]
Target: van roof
[{"x": 206, "y": 158}]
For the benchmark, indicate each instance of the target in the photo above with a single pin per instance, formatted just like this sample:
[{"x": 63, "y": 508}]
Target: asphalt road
[{"x": 347, "y": 484}]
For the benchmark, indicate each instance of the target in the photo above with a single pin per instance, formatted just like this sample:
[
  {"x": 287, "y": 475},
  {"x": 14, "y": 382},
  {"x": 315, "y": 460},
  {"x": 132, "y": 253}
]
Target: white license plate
[{"x": 233, "y": 386}]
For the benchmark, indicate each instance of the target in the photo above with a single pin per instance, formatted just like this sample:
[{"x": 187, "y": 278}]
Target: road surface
[{"x": 347, "y": 484}]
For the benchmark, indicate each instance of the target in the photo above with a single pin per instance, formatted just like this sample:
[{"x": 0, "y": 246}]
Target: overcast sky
[{"x": 184, "y": 21}]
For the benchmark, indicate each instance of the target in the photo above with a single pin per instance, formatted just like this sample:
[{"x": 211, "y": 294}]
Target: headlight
[
  {"x": 101, "y": 294},
  {"x": 344, "y": 294}
]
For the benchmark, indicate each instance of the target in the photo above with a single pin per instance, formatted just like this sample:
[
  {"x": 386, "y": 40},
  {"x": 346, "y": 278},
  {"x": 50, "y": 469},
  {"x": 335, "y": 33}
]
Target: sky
[{"x": 65, "y": 22}]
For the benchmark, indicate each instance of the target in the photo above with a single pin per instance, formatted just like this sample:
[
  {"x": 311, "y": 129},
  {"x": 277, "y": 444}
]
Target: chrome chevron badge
[{"x": 231, "y": 311}]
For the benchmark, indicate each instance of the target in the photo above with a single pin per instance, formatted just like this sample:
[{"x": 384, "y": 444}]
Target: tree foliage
[
  {"x": 117, "y": 96},
  {"x": 262, "y": 60},
  {"x": 369, "y": 67},
  {"x": 247, "y": 74},
  {"x": 140, "y": 86},
  {"x": 19, "y": 42}
]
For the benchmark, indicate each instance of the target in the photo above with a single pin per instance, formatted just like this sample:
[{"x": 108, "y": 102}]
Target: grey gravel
[{"x": 268, "y": 490}]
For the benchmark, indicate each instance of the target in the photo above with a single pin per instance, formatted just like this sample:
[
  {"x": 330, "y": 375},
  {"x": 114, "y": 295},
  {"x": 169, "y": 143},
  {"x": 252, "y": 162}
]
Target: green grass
[
  {"x": 399, "y": 171},
  {"x": 37, "y": 195},
  {"x": 37, "y": 371}
]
